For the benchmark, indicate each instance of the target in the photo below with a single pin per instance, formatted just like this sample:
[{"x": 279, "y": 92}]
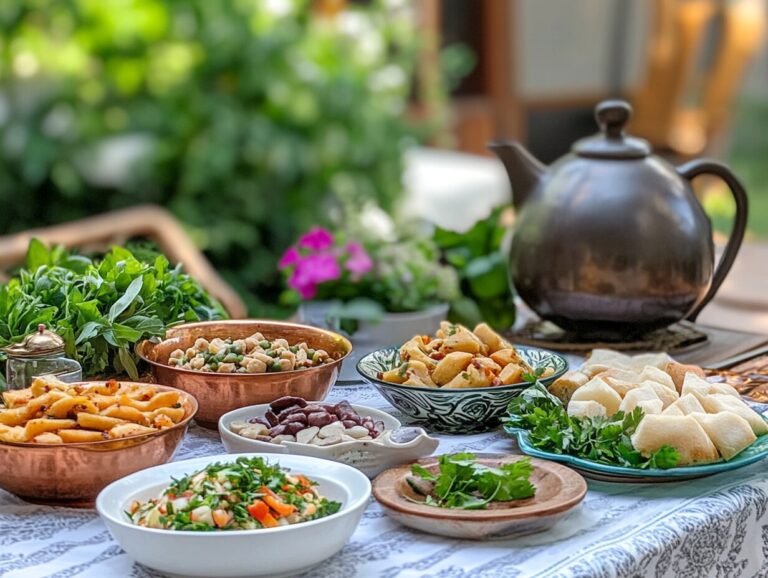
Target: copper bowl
[
  {"x": 219, "y": 393},
  {"x": 73, "y": 474}
]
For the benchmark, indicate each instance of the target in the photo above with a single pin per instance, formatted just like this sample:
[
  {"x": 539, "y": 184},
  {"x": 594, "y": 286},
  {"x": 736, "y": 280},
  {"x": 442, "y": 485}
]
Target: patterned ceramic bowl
[{"x": 455, "y": 411}]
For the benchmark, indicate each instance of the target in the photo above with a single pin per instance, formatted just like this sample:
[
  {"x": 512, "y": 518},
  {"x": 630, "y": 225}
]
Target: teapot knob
[{"x": 612, "y": 115}]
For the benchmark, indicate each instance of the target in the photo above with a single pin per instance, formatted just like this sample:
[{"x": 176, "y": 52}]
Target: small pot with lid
[{"x": 40, "y": 353}]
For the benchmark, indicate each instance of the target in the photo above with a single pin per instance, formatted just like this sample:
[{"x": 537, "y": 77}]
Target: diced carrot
[
  {"x": 304, "y": 481},
  {"x": 281, "y": 508},
  {"x": 267, "y": 492},
  {"x": 260, "y": 511}
]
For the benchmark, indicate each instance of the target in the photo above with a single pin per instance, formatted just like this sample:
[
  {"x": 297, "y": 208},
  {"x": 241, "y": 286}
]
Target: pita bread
[
  {"x": 634, "y": 397},
  {"x": 672, "y": 410},
  {"x": 729, "y": 432},
  {"x": 651, "y": 373},
  {"x": 688, "y": 404},
  {"x": 659, "y": 360},
  {"x": 621, "y": 380},
  {"x": 585, "y": 409},
  {"x": 601, "y": 360},
  {"x": 681, "y": 432},
  {"x": 597, "y": 390},
  {"x": 664, "y": 393},
  {"x": 564, "y": 386},
  {"x": 677, "y": 372},
  {"x": 717, "y": 402},
  {"x": 651, "y": 406}
]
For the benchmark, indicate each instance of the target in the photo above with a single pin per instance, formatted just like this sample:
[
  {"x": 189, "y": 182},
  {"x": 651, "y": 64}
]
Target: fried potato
[
  {"x": 15, "y": 416},
  {"x": 15, "y": 398},
  {"x": 48, "y": 438},
  {"x": 35, "y": 427},
  {"x": 98, "y": 422},
  {"x": 492, "y": 340},
  {"x": 512, "y": 373},
  {"x": 50, "y": 411},
  {"x": 162, "y": 399},
  {"x": 76, "y": 436},
  {"x": 175, "y": 413},
  {"x": 450, "y": 366},
  {"x": 506, "y": 356},
  {"x": 412, "y": 351},
  {"x": 71, "y": 405},
  {"x": 126, "y": 413},
  {"x": 125, "y": 430}
]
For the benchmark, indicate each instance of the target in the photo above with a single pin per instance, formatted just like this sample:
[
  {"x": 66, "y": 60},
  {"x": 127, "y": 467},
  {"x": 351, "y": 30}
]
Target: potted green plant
[{"x": 379, "y": 293}]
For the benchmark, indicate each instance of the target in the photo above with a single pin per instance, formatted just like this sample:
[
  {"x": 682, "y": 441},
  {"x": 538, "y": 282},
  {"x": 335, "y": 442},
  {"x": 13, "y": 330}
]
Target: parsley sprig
[
  {"x": 463, "y": 483},
  {"x": 601, "y": 439}
]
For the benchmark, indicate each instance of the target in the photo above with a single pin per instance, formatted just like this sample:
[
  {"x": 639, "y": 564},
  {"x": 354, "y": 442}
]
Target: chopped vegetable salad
[{"x": 247, "y": 494}]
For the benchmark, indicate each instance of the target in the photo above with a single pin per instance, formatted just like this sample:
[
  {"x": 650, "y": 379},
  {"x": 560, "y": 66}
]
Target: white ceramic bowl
[
  {"x": 273, "y": 552},
  {"x": 370, "y": 457}
]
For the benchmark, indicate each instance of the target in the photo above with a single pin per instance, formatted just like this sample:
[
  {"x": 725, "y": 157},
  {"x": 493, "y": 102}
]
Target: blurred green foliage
[
  {"x": 251, "y": 120},
  {"x": 480, "y": 258}
]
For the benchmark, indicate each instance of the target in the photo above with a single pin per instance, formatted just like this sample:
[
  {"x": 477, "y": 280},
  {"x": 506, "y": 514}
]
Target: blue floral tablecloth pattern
[{"x": 715, "y": 526}]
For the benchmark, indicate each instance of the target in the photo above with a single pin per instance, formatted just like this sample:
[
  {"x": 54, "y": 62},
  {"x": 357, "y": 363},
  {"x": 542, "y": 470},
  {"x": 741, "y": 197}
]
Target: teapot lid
[
  {"x": 611, "y": 142},
  {"x": 38, "y": 344}
]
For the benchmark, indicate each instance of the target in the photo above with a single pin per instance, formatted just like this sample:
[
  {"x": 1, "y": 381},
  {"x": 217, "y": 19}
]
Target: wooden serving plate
[{"x": 558, "y": 490}]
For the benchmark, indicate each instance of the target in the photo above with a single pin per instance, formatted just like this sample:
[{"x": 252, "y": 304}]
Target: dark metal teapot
[{"x": 610, "y": 239}]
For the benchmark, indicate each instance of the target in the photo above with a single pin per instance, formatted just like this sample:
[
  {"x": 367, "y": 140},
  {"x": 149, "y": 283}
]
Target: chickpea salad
[
  {"x": 254, "y": 354},
  {"x": 247, "y": 494}
]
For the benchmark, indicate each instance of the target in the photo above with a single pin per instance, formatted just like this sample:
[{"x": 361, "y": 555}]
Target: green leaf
[
  {"x": 488, "y": 276},
  {"x": 128, "y": 363},
  {"x": 37, "y": 255},
  {"x": 125, "y": 301}
]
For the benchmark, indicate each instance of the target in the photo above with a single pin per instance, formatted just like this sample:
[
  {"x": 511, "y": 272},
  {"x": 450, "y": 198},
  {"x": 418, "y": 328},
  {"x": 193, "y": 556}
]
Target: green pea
[
  {"x": 232, "y": 358},
  {"x": 310, "y": 353},
  {"x": 237, "y": 349},
  {"x": 271, "y": 352},
  {"x": 293, "y": 349},
  {"x": 264, "y": 344}
]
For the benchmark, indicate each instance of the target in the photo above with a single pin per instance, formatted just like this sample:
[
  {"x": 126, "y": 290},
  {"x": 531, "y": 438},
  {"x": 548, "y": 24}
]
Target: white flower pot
[{"x": 392, "y": 329}]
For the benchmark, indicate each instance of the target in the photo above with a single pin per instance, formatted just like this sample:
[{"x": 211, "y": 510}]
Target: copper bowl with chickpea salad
[{"x": 231, "y": 364}]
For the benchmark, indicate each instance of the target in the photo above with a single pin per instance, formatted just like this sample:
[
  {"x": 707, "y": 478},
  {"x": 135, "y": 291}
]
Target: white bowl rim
[
  {"x": 329, "y": 449},
  {"x": 202, "y": 461}
]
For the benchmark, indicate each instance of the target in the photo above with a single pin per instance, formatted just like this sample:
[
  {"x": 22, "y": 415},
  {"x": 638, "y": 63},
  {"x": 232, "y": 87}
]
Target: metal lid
[
  {"x": 611, "y": 142},
  {"x": 38, "y": 344}
]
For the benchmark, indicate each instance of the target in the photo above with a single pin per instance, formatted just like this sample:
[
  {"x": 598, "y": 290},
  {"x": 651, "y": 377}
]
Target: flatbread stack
[{"x": 704, "y": 421}]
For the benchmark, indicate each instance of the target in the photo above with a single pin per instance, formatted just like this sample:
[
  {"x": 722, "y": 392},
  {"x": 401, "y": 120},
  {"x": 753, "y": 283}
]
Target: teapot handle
[{"x": 701, "y": 167}]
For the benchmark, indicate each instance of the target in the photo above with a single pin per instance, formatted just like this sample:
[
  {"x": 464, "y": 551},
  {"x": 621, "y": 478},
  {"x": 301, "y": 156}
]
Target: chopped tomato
[{"x": 304, "y": 481}]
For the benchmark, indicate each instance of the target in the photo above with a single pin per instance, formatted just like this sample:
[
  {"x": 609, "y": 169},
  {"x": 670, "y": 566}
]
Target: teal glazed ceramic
[
  {"x": 608, "y": 473},
  {"x": 456, "y": 411}
]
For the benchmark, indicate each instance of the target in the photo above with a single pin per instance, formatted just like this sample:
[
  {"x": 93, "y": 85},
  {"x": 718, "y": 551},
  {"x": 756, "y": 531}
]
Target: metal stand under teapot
[{"x": 610, "y": 239}]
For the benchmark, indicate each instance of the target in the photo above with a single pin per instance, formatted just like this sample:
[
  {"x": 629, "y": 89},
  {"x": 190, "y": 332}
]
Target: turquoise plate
[{"x": 607, "y": 473}]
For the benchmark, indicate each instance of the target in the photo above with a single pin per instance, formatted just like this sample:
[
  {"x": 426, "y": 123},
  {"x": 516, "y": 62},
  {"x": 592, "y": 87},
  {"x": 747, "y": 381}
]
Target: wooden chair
[
  {"x": 149, "y": 221},
  {"x": 676, "y": 108}
]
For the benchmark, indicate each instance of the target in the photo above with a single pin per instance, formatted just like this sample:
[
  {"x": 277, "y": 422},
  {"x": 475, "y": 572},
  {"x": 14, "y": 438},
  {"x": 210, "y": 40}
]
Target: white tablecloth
[{"x": 715, "y": 526}]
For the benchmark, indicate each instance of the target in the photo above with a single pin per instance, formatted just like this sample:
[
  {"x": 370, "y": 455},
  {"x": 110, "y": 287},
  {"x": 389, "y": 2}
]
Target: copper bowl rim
[
  {"x": 191, "y": 399},
  {"x": 144, "y": 347}
]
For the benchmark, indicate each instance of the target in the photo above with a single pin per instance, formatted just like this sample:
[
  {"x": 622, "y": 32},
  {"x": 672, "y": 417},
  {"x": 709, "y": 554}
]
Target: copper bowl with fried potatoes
[
  {"x": 220, "y": 393},
  {"x": 72, "y": 474}
]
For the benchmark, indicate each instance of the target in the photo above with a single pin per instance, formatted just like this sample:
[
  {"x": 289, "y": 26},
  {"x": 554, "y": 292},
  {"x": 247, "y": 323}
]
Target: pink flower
[
  {"x": 290, "y": 257},
  {"x": 316, "y": 239},
  {"x": 311, "y": 271},
  {"x": 359, "y": 263}
]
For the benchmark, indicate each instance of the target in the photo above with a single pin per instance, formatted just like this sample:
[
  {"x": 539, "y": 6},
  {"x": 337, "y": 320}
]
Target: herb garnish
[
  {"x": 600, "y": 439},
  {"x": 466, "y": 484}
]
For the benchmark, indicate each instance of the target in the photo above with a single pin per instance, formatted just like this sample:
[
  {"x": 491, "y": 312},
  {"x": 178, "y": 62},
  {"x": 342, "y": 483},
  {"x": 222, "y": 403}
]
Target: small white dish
[
  {"x": 370, "y": 457},
  {"x": 273, "y": 552}
]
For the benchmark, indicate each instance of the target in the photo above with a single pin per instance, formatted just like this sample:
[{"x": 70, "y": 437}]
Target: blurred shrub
[{"x": 251, "y": 120}]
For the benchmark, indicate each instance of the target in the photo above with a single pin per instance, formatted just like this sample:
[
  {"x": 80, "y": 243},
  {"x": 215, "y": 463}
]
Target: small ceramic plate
[
  {"x": 608, "y": 473},
  {"x": 558, "y": 491},
  {"x": 370, "y": 457}
]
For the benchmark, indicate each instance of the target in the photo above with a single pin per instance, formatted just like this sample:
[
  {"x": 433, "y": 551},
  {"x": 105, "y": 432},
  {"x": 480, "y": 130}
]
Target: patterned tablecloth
[{"x": 715, "y": 526}]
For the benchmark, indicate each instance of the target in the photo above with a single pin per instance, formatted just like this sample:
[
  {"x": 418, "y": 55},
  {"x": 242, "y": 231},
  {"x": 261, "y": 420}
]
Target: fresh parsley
[
  {"x": 463, "y": 483},
  {"x": 600, "y": 439}
]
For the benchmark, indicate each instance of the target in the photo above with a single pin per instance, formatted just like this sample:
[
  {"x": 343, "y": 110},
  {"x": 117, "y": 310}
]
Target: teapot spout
[{"x": 523, "y": 169}]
